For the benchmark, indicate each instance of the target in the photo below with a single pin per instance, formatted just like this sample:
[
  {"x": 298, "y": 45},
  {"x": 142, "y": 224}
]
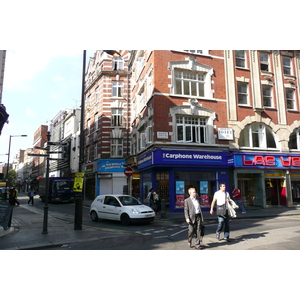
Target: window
[
  {"x": 117, "y": 89},
  {"x": 294, "y": 142},
  {"x": 290, "y": 98},
  {"x": 191, "y": 129},
  {"x": 189, "y": 83},
  {"x": 240, "y": 59},
  {"x": 264, "y": 61},
  {"x": 267, "y": 95},
  {"x": 116, "y": 147},
  {"x": 287, "y": 63},
  {"x": 117, "y": 63},
  {"x": 257, "y": 135},
  {"x": 116, "y": 117},
  {"x": 242, "y": 93}
]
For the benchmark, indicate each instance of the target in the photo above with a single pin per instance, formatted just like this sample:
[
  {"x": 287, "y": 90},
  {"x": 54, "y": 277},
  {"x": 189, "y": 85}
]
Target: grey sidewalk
[{"x": 27, "y": 227}]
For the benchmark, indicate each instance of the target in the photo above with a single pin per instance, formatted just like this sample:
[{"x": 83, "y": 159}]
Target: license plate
[{"x": 148, "y": 216}]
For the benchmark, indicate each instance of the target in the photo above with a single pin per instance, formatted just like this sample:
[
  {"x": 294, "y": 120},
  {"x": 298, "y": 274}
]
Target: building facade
[
  {"x": 107, "y": 123},
  {"x": 182, "y": 118}
]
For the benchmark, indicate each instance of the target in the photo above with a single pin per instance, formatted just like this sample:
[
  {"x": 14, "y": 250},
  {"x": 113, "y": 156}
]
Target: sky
[{"x": 37, "y": 85}]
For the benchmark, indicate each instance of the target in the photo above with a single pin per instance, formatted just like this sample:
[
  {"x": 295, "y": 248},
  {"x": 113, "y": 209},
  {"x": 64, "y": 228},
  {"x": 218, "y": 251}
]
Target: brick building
[
  {"x": 197, "y": 118},
  {"x": 107, "y": 121}
]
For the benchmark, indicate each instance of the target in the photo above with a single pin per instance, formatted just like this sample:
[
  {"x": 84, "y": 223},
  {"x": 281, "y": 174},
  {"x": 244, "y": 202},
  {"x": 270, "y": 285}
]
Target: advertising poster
[
  {"x": 203, "y": 187},
  {"x": 179, "y": 194},
  {"x": 179, "y": 201}
]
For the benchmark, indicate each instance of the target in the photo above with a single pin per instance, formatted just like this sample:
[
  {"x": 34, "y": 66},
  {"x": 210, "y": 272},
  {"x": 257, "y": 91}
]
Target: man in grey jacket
[{"x": 193, "y": 216}]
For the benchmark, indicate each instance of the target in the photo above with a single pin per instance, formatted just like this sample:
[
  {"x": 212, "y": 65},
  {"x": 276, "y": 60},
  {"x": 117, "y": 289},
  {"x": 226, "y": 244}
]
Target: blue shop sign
[
  {"x": 177, "y": 157},
  {"x": 111, "y": 165}
]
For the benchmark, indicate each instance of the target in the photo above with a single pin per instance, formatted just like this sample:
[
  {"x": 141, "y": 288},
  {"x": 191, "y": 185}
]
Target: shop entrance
[{"x": 275, "y": 192}]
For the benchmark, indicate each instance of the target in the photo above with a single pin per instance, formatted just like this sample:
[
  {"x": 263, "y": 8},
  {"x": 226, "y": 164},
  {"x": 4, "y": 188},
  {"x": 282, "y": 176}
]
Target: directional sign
[{"x": 128, "y": 172}]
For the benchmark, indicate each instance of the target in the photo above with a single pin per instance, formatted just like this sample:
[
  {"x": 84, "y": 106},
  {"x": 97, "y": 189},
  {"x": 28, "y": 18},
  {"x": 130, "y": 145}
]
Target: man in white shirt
[
  {"x": 222, "y": 197},
  {"x": 193, "y": 216}
]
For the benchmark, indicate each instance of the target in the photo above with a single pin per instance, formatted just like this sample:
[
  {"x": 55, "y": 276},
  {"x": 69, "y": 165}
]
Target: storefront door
[{"x": 275, "y": 192}]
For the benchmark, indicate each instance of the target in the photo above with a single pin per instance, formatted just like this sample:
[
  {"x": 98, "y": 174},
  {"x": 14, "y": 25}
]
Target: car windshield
[{"x": 129, "y": 200}]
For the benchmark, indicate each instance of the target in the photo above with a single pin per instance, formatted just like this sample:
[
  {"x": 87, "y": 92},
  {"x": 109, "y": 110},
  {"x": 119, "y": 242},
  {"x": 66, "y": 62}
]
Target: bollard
[{"x": 163, "y": 208}]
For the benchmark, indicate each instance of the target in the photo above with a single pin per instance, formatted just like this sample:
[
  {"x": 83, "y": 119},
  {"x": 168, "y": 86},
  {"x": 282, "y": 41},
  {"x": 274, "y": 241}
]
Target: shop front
[
  {"x": 110, "y": 177},
  {"x": 172, "y": 172},
  {"x": 268, "y": 179}
]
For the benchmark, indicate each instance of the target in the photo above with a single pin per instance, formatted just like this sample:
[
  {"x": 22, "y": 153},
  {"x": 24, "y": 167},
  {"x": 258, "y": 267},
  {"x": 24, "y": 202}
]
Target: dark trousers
[
  {"x": 30, "y": 199},
  {"x": 195, "y": 228}
]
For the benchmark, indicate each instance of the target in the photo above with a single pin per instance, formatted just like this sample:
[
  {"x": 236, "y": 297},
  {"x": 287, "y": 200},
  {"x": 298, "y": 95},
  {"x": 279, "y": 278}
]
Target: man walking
[
  {"x": 222, "y": 199},
  {"x": 193, "y": 216},
  {"x": 238, "y": 199}
]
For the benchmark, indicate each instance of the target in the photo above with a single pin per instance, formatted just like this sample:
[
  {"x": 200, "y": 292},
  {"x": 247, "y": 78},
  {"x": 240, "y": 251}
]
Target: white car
[{"x": 124, "y": 208}]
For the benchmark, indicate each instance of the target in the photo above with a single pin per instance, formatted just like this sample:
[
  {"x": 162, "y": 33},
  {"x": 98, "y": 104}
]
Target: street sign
[
  {"x": 128, "y": 172},
  {"x": 40, "y": 148},
  {"x": 78, "y": 184},
  {"x": 79, "y": 174},
  {"x": 32, "y": 154}
]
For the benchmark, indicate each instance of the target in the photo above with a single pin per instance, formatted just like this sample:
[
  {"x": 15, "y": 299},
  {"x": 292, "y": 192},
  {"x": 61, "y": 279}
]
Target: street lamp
[{"x": 8, "y": 155}]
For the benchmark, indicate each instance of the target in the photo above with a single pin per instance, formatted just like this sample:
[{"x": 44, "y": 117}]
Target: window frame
[
  {"x": 268, "y": 97},
  {"x": 194, "y": 86},
  {"x": 117, "y": 89},
  {"x": 116, "y": 147},
  {"x": 258, "y": 137},
  {"x": 241, "y": 93},
  {"x": 191, "y": 129},
  {"x": 287, "y": 67},
  {"x": 240, "y": 59},
  {"x": 117, "y": 119},
  {"x": 290, "y": 100},
  {"x": 264, "y": 63}
]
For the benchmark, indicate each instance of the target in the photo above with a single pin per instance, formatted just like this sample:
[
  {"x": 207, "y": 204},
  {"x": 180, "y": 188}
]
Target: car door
[{"x": 111, "y": 208}]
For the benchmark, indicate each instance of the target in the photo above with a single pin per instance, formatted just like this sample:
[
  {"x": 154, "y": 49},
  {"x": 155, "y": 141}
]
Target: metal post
[
  {"x": 79, "y": 196},
  {"x": 45, "y": 223}
]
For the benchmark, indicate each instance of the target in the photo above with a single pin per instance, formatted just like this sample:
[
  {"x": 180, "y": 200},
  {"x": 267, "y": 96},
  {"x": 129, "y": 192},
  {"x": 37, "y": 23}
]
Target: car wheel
[
  {"x": 125, "y": 219},
  {"x": 94, "y": 216}
]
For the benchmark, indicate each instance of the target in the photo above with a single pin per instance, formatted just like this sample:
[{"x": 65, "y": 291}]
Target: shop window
[
  {"x": 257, "y": 135},
  {"x": 191, "y": 129},
  {"x": 240, "y": 58}
]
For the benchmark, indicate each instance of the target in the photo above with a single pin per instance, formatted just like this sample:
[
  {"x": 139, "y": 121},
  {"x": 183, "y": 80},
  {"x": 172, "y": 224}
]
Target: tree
[{"x": 12, "y": 176}]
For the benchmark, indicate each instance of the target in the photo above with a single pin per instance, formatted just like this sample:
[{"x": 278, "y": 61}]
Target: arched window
[
  {"x": 257, "y": 135},
  {"x": 294, "y": 142}
]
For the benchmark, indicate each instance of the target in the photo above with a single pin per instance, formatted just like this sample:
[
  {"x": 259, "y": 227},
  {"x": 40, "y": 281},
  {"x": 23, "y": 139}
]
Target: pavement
[{"x": 27, "y": 226}]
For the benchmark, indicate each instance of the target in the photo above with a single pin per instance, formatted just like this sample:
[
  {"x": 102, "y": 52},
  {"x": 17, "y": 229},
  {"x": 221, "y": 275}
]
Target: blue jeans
[
  {"x": 240, "y": 204},
  {"x": 221, "y": 222}
]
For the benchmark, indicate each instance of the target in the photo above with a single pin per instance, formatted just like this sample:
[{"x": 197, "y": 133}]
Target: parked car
[{"x": 124, "y": 208}]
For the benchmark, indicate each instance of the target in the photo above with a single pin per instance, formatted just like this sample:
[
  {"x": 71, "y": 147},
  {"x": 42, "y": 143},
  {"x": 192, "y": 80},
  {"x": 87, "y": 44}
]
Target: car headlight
[{"x": 135, "y": 211}]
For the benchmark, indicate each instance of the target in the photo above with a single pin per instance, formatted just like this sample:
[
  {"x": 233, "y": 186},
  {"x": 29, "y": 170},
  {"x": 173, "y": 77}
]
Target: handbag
[{"x": 221, "y": 209}]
